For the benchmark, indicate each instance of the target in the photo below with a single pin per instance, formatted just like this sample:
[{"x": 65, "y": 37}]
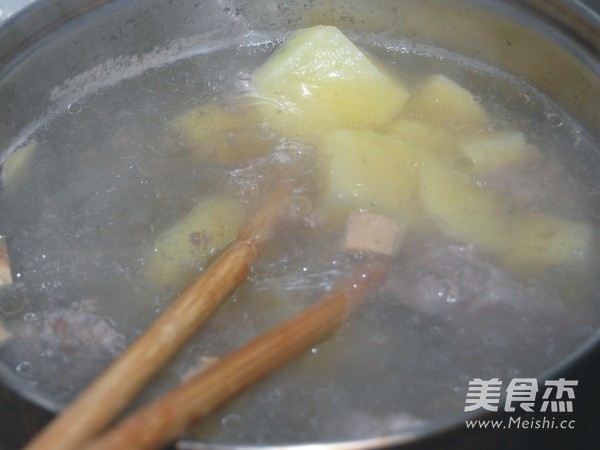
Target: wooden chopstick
[
  {"x": 166, "y": 418},
  {"x": 95, "y": 407}
]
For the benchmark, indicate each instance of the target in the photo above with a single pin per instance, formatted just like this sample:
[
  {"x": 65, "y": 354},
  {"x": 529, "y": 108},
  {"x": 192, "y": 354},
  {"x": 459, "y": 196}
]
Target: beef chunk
[
  {"x": 66, "y": 348},
  {"x": 450, "y": 276}
]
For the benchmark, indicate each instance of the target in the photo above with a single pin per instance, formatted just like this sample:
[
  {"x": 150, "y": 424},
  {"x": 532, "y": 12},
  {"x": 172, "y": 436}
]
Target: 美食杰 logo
[{"x": 522, "y": 395}]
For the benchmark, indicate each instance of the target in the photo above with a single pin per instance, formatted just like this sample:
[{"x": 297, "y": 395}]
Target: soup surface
[{"x": 117, "y": 202}]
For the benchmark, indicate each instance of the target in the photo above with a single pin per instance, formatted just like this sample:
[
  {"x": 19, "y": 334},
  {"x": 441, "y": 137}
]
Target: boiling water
[{"x": 110, "y": 174}]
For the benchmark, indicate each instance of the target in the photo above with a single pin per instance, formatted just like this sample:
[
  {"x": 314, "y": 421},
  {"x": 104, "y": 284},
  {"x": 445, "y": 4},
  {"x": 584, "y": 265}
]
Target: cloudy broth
[{"x": 111, "y": 173}]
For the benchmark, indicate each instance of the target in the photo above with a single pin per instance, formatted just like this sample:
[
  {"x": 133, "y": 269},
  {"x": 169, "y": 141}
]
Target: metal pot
[{"x": 553, "y": 45}]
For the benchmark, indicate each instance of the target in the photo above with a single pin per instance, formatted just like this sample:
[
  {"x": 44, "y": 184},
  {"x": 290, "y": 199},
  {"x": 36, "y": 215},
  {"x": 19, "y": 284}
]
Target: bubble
[
  {"x": 30, "y": 317},
  {"x": 494, "y": 296},
  {"x": 491, "y": 124},
  {"x": 462, "y": 333},
  {"x": 554, "y": 120},
  {"x": 578, "y": 253},
  {"x": 241, "y": 75},
  {"x": 314, "y": 350},
  {"x": 12, "y": 305},
  {"x": 232, "y": 421},
  {"x": 23, "y": 367},
  {"x": 40, "y": 258},
  {"x": 272, "y": 45},
  {"x": 451, "y": 299},
  {"x": 378, "y": 338},
  {"x": 150, "y": 71},
  {"x": 299, "y": 206},
  {"x": 462, "y": 165},
  {"x": 49, "y": 285},
  {"x": 74, "y": 108},
  {"x": 436, "y": 331},
  {"x": 457, "y": 124},
  {"x": 464, "y": 378},
  {"x": 275, "y": 395},
  {"x": 513, "y": 372}
]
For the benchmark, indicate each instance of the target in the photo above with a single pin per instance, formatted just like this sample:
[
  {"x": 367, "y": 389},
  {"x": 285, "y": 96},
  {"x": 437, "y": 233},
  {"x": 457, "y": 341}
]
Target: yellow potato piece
[
  {"x": 231, "y": 130},
  {"x": 372, "y": 171},
  {"x": 16, "y": 167},
  {"x": 497, "y": 150},
  {"x": 320, "y": 81},
  {"x": 5, "y": 266},
  {"x": 524, "y": 241},
  {"x": 445, "y": 103},
  {"x": 5, "y": 335},
  {"x": 541, "y": 240},
  {"x": 182, "y": 250},
  {"x": 461, "y": 209},
  {"x": 423, "y": 135}
]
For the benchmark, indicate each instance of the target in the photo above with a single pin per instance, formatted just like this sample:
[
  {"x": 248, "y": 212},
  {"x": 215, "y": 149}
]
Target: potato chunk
[
  {"x": 184, "y": 248},
  {"x": 443, "y": 102},
  {"x": 423, "y": 135},
  {"x": 16, "y": 166},
  {"x": 372, "y": 171},
  {"x": 226, "y": 131},
  {"x": 525, "y": 241},
  {"x": 541, "y": 240},
  {"x": 5, "y": 335},
  {"x": 498, "y": 150},
  {"x": 463, "y": 210},
  {"x": 323, "y": 82},
  {"x": 5, "y": 270}
]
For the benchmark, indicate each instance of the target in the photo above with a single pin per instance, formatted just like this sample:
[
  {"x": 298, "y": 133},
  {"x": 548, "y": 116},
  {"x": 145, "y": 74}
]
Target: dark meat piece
[
  {"x": 65, "y": 349},
  {"x": 461, "y": 318},
  {"x": 71, "y": 330},
  {"x": 538, "y": 183},
  {"x": 448, "y": 276}
]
